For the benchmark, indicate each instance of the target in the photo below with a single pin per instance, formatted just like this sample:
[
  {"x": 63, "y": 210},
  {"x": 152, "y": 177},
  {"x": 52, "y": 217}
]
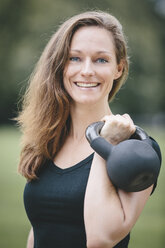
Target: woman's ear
[{"x": 119, "y": 69}]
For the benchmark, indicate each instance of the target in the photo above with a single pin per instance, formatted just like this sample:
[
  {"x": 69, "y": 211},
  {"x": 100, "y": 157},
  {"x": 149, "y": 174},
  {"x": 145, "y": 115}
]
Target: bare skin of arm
[
  {"x": 30, "y": 241},
  {"x": 110, "y": 214}
]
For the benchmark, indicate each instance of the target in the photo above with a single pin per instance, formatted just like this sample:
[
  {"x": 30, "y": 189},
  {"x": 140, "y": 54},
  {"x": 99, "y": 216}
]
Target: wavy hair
[{"x": 45, "y": 116}]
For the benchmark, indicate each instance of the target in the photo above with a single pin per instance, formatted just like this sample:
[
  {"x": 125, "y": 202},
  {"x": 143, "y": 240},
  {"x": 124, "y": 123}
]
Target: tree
[{"x": 26, "y": 26}]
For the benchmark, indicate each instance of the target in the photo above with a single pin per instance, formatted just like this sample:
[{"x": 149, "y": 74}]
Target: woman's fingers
[
  {"x": 131, "y": 123},
  {"x": 117, "y": 128}
]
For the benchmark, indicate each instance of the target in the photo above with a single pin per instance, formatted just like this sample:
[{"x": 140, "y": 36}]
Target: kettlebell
[{"x": 132, "y": 165}]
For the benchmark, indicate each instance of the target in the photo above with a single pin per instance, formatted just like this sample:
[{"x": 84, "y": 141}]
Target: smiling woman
[
  {"x": 92, "y": 66},
  {"x": 69, "y": 198}
]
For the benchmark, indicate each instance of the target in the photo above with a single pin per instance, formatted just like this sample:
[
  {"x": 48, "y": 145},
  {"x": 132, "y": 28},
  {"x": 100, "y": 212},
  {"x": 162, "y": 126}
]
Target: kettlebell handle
[
  {"x": 101, "y": 145},
  {"x": 94, "y": 129}
]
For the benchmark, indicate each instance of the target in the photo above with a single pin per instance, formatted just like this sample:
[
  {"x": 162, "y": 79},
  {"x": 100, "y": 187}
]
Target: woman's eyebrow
[
  {"x": 103, "y": 51},
  {"x": 75, "y": 50}
]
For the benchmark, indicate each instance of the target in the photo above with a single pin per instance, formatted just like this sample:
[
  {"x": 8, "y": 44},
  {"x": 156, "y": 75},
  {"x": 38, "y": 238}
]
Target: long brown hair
[{"x": 45, "y": 117}]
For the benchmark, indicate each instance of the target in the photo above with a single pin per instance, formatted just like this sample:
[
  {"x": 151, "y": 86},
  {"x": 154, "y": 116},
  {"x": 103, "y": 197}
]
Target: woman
[{"x": 69, "y": 199}]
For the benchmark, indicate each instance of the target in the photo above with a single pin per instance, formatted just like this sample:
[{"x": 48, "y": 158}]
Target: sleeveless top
[{"x": 54, "y": 205}]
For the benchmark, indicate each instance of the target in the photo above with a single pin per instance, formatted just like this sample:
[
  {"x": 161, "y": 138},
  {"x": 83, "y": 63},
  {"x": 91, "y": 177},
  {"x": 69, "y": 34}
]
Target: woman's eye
[
  {"x": 74, "y": 59},
  {"x": 101, "y": 60}
]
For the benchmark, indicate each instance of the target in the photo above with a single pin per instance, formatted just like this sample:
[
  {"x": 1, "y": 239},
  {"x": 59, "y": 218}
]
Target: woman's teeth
[{"x": 87, "y": 85}]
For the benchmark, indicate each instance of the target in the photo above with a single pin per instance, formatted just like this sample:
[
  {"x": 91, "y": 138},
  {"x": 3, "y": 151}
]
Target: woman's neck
[{"x": 84, "y": 115}]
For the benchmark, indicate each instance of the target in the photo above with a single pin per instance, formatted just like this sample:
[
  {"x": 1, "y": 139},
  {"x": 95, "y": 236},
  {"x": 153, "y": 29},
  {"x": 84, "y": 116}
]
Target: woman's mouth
[{"x": 87, "y": 84}]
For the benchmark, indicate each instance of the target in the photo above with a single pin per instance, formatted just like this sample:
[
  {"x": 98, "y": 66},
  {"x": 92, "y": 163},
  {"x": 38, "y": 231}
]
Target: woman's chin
[{"x": 87, "y": 101}]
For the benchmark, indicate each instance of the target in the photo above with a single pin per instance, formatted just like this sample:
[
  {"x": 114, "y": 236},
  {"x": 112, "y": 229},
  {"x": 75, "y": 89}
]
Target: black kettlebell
[{"x": 132, "y": 165}]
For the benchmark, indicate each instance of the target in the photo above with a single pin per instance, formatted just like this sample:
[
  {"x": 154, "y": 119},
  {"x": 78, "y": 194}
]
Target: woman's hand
[{"x": 117, "y": 128}]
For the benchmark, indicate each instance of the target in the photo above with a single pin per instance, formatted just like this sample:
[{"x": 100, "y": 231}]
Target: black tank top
[{"x": 54, "y": 205}]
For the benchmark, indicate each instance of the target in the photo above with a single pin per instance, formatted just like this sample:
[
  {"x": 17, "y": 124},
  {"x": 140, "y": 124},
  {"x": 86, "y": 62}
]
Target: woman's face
[{"x": 91, "y": 67}]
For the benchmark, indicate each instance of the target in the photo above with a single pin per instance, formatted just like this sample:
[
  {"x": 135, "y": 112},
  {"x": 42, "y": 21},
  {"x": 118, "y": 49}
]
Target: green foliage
[
  {"x": 26, "y": 26},
  {"x": 14, "y": 225}
]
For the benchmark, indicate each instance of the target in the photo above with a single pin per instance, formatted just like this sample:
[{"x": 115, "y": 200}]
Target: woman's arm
[
  {"x": 30, "y": 241},
  {"x": 109, "y": 214}
]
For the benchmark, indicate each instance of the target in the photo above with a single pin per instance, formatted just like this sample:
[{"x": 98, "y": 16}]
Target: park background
[{"x": 25, "y": 28}]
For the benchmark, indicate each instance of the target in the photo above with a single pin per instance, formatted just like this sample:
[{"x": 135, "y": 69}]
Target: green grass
[
  {"x": 149, "y": 231},
  {"x": 14, "y": 225}
]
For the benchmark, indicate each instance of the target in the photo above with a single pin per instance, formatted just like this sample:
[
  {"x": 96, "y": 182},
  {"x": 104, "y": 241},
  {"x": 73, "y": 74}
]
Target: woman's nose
[{"x": 87, "y": 68}]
